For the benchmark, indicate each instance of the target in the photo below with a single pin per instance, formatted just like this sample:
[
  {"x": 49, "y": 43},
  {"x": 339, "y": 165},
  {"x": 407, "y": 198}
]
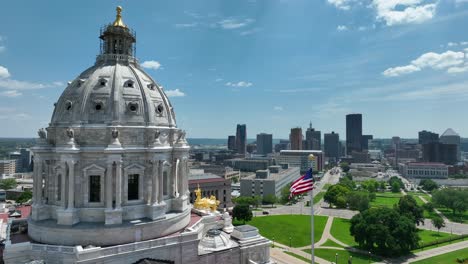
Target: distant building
[
  {"x": 451, "y": 137},
  {"x": 241, "y": 139},
  {"x": 428, "y": 170},
  {"x": 264, "y": 144},
  {"x": 7, "y": 167},
  {"x": 425, "y": 137},
  {"x": 268, "y": 182},
  {"x": 439, "y": 152},
  {"x": 313, "y": 139},
  {"x": 375, "y": 154},
  {"x": 365, "y": 141},
  {"x": 231, "y": 143},
  {"x": 211, "y": 184},
  {"x": 353, "y": 133},
  {"x": 300, "y": 158},
  {"x": 23, "y": 160},
  {"x": 360, "y": 157},
  {"x": 332, "y": 146},
  {"x": 296, "y": 138},
  {"x": 249, "y": 164},
  {"x": 282, "y": 145}
]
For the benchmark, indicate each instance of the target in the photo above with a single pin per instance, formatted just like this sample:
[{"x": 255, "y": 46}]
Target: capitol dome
[{"x": 111, "y": 168}]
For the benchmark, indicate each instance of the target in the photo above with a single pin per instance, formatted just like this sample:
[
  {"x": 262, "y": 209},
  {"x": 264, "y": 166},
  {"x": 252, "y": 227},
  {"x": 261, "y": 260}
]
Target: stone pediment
[{"x": 94, "y": 167}]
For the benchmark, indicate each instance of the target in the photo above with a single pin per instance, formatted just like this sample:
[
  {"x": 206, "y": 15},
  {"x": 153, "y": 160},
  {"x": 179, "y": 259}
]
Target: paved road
[{"x": 432, "y": 252}]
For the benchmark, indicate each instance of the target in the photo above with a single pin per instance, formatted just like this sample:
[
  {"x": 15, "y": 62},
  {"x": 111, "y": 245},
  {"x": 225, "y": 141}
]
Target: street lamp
[
  {"x": 336, "y": 258},
  {"x": 369, "y": 256},
  {"x": 273, "y": 241},
  {"x": 290, "y": 243}
]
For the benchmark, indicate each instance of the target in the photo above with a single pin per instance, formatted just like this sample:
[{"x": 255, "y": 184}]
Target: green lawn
[
  {"x": 386, "y": 199},
  {"x": 340, "y": 231},
  {"x": 429, "y": 236},
  {"x": 343, "y": 256},
  {"x": 318, "y": 197},
  {"x": 297, "y": 256},
  {"x": 326, "y": 186},
  {"x": 459, "y": 218},
  {"x": 446, "y": 258},
  {"x": 282, "y": 227},
  {"x": 330, "y": 243}
]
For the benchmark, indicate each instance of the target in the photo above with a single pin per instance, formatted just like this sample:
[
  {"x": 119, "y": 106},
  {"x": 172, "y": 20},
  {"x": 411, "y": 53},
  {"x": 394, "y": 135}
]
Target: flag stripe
[{"x": 304, "y": 184}]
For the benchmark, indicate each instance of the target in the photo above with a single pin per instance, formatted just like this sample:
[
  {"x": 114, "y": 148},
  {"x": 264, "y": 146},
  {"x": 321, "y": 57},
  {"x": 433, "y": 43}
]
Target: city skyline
[{"x": 271, "y": 65}]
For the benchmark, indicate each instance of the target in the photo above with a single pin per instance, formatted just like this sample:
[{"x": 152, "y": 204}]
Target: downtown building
[
  {"x": 264, "y": 144},
  {"x": 353, "y": 133},
  {"x": 300, "y": 158},
  {"x": 313, "y": 140},
  {"x": 425, "y": 170},
  {"x": 332, "y": 146},
  {"x": 295, "y": 138},
  {"x": 268, "y": 182},
  {"x": 241, "y": 139}
]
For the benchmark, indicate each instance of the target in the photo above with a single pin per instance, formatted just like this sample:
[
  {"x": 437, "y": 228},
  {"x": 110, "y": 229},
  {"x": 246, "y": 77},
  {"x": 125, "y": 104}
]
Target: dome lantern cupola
[{"x": 117, "y": 38}]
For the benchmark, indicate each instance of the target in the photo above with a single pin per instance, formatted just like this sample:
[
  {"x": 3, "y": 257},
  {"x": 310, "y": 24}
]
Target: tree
[
  {"x": 7, "y": 184},
  {"x": 358, "y": 201},
  {"x": 438, "y": 222},
  {"x": 454, "y": 199},
  {"x": 244, "y": 200},
  {"x": 257, "y": 200},
  {"x": 384, "y": 231},
  {"x": 395, "y": 187},
  {"x": 428, "y": 185},
  {"x": 429, "y": 207},
  {"x": 344, "y": 166},
  {"x": 24, "y": 197},
  {"x": 383, "y": 186},
  {"x": 284, "y": 198},
  {"x": 336, "y": 195},
  {"x": 408, "y": 207},
  {"x": 242, "y": 212},
  {"x": 348, "y": 182},
  {"x": 396, "y": 179},
  {"x": 370, "y": 185},
  {"x": 269, "y": 199}
]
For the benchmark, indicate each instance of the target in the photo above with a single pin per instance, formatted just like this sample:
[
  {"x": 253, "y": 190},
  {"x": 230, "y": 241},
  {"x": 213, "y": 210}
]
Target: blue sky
[{"x": 272, "y": 64}]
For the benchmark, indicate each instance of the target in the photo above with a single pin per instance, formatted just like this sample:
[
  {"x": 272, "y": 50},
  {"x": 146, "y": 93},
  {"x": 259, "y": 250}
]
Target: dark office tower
[
  {"x": 231, "y": 142},
  {"x": 264, "y": 144},
  {"x": 241, "y": 139},
  {"x": 365, "y": 141},
  {"x": 353, "y": 133},
  {"x": 296, "y": 138},
  {"x": 332, "y": 146},
  {"x": 425, "y": 137},
  {"x": 313, "y": 139},
  {"x": 438, "y": 152}
]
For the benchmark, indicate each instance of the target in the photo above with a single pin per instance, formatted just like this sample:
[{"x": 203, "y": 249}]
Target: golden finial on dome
[{"x": 118, "y": 18}]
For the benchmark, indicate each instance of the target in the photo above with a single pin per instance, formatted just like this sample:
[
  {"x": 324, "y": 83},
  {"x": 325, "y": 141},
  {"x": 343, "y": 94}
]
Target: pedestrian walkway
[{"x": 432, "y": 252}]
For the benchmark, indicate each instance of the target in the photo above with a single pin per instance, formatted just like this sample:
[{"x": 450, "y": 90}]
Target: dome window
[
  {"x": 129, "y": 84},
  {"x": 151, "y": 86},
  {"x": 102, "y": 82},
  {"x": 159, "y": 109},
  {"x": 98, "y": 106},
  {"x": 133, "y": 107},
  {"x": 80, "y": 82},
  {"x": 68, "y": 105}
]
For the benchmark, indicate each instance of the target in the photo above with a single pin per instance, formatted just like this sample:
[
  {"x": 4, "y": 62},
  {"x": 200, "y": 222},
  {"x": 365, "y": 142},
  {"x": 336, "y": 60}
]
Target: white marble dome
[{"x": 111, "y": 168}]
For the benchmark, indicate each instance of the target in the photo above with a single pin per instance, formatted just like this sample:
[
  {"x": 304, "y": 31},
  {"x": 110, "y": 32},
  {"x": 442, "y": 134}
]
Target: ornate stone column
[
  {"x": 71, "y": 184},
  {"x": 68, "y": 216},
  {"x": 157, "y": 208},
  {"x": 118, "y": 185},
  {"x": 37, "y": 209},
  {"x": 108, "y": 183},
  {"x": 63, "y": 189},
  {"x": 154, "y": 182}
]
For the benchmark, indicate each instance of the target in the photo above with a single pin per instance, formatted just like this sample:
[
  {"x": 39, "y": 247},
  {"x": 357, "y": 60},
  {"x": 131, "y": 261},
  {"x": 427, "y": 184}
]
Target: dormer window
[
  {"x": 80, "y": 82},
  {"x": 98, "y": 105},
  {"x": 159, "y": 109},
  {"x": 68, "y": 105},
  {"x": 133, "y": 107},
  {"x": 151, "y": 86},
  {"x": 102, "y": 82},
  {"x": 129, "y": 84}
]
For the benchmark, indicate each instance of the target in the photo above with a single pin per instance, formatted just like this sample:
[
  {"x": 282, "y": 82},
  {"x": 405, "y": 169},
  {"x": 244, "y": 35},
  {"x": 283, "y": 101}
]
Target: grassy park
[
  {"x": 340, "y": 231},
  {"x": 386, "y": 199},
  {"x": 343, "y": 256},
  {"x": 447, "y": 258},
  {"x": 459, "y": 218},
  {"x": 282, "y": 227},
  {"x": 318, "y": 197}
]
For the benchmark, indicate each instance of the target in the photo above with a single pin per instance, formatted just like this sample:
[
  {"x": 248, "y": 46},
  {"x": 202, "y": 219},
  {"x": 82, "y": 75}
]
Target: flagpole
[{"x": 312, "y": 224}]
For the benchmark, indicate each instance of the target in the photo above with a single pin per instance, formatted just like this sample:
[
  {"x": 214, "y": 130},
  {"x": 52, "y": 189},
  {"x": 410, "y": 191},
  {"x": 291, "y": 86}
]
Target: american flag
[{"x": 303, "y": 184}]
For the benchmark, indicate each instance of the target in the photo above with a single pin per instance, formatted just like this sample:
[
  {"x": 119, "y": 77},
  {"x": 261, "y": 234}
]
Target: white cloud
[
  {"x": 186, "y": 25},
  {"x": 401, "y": 70},
  {"x": 239, "y": 84},
  {"x": 278, "y": 108},
  {"x": 250, "y": 31},
  {"x": 4, "y": 72},
  {"x": 232, "y": 23},
  {"x": 174, "y": 93},
  {"x": 341, "y": 4},
  {"x": 341, "y": 28},
  {"x": 10, "y": 93},
  {"x": 451, "y": 60},
  {"x": 151, "y": 64},
  {"x": 397, "y": 12},
  {"x": 25, "y": 85},
  {"x": 218, "y": 79}
]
